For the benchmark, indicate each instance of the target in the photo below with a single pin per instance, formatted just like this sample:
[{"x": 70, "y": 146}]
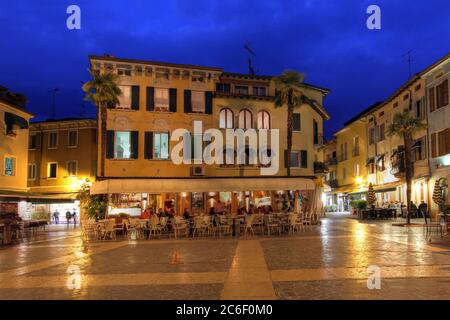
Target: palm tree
[
  {"x": 405, "y": 125},
  {"x": 289, "y": 93},
  {"x": 102, "y": 91}
]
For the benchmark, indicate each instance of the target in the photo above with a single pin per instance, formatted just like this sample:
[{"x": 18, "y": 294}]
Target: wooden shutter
[
  {"x": 432, "y": 99},
  {"x": 208, "y": 102},
  {"x": 444, "y": 91},
  {"x": 187, "y": 101},
  {"x": 109, "y": 144},
  {"x": 173, "y": 100},
  {"x": 444, "y": 142},
  {"x": 135, "y": 97},
  {"x": 150, "y": 102},
  {"x": 433, "y": 145},
  {"x": 304, "y": 158},
  {"x": 148, "y": 148},
  {"x": 38, "y": 140},
  {"x": 134, "y": 135}
]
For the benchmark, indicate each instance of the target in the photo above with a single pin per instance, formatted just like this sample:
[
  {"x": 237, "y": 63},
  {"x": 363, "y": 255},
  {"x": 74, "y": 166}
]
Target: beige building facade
[{"x": 160, "y": 98}]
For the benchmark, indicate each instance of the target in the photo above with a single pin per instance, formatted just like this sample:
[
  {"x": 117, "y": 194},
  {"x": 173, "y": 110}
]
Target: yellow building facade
[
  {"x": 62, "y": 156},
  {"x": 159, "y": 98}
]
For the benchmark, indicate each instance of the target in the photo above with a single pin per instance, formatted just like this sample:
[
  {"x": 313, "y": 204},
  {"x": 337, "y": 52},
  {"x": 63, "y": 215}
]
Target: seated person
[{"x": 145, "y": 214}]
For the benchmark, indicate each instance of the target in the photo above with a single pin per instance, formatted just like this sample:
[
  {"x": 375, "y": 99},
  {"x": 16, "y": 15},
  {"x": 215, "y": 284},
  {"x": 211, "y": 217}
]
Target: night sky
[{"x": 327, "y": 40}]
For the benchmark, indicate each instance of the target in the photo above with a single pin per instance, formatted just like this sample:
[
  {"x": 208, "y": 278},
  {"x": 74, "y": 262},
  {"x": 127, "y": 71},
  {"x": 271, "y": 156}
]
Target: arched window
[
  {"x": 226, "y": 119},
  {"x": 263, "y": 120},
  {"x": 245, "y": 119}
]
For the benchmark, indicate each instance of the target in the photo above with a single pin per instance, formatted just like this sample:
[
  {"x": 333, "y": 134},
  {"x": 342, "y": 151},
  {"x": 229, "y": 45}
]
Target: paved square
[{"x": 329, "y": 261}]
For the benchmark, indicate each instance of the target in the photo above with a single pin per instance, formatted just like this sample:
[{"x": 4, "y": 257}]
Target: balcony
[
  {"x": 331, "y": 162},
  {"x": 333, "y": 183},
  {"x": 320, "y": 168},
  {"x": 342, "y": 157},
  {"x": 355, "y": 152},
  {"x": 398, "y": 164}
]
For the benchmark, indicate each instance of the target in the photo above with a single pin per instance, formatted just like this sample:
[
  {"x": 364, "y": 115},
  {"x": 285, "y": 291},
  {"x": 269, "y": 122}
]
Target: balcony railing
[
  {"x": 398, "y": 164},
  {"x": 318, "y": 140},
  {"x": 331, "y": 162},
  {"x": 319, "y": 167}
]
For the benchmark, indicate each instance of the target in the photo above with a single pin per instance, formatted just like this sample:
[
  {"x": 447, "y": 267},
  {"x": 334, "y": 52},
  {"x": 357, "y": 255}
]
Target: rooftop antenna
[
  {"x": 54, "y": 92},
  {"x": 407, "y": 55},
  {"x": 249, "y": 49}
]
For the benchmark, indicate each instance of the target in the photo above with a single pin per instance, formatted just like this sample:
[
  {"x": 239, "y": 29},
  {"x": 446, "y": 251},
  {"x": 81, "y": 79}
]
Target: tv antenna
[
  {"x": 54, "y": 92},
  {"x": 249, "y": 49},
  {"x": 407, "y": 55}
]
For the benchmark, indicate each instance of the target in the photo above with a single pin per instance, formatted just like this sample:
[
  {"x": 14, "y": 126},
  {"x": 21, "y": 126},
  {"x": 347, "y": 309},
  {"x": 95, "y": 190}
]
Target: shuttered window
[
  {"x": 431, "y": 99},
  {"x": 444, "y": 142},
  {"x": 296, "y": 122}
]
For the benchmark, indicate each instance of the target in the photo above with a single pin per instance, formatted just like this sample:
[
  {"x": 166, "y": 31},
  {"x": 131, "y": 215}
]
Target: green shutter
[
  {"x": 173, "y": 100},
  {"x": 304, "y": 158},
  {"x": 150, "y": 102},
  {"x": 208, "y": 102},
  {"x": 134, "y": 144},
  {"x": 187, "y": 101},
  {"x": 148, "y": 148},
  {"x": 135, "y": 97},
  {"x": 109, "y": 144}
]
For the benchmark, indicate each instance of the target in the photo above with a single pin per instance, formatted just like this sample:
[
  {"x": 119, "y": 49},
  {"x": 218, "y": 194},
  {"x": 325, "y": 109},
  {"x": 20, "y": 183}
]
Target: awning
[
  {"x": 168, "y": 185},
  {"x": 12, "y": 119}
]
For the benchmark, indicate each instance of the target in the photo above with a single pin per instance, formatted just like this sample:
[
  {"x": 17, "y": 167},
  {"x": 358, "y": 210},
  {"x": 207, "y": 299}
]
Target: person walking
[
  {"x": 68, "y": 216},
  {"x": 74, "y": 217},
  {"x": 56, "y": 217}
]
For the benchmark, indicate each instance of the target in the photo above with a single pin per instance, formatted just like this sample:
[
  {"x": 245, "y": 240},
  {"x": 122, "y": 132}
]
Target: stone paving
[{"x": 329, "y": 261}]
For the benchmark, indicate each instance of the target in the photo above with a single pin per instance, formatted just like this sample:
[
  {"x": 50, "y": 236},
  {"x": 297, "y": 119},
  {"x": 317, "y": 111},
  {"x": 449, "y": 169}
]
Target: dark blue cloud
[{"x": 328, "y": 40}]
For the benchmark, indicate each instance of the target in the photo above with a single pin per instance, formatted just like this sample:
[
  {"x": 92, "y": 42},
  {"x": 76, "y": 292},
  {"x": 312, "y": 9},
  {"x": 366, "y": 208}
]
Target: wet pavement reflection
[{"x": 328, "y": 261}]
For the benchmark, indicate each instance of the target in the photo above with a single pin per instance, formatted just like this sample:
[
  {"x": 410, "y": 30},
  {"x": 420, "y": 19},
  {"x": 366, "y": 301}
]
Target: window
[
  {"x": 125, "y": 97},
  {"x": 161, "y": 99},
  {"x": 395, "y": 104},
  {"x": 72, "y": 168},
  {"x": 371, "y": 135},
  {"x": 419, "y": 113},
  {"x": 10, "y": 166},
  {"x": 381, "y": 131},
  {"x": 198, "y": 76},
  {"x": 198, "y": 101},
  {"x": 442, "y": 94},
  {"x": 295, "y": 159},
  {"x": 123, "y": 70},
  {"x": 122, "y": 145},
  {"x": 226, "y": 119},
  {"x": 32, "y": 143},
  {"x": 405, "y": 97},
  {"x": 161, "y": 145},
  {"x": 419, "y": 150},
  {"x": 381, "y": 166},
  {"x": 440, "y": 143},
  {"x": 259, "y": 91},
  {"x": 52, "y": 170},
  {"x": 52, "y": 140},
  {"x": 245, "y": 119},
  {"x": 344, "y": 173},
  {"x": 223, "y": 87},
  {"x": 296, "y": 122},
  {"x": 357, "y": 170},
  {"x": 241, "y": 90},
  {"x": 356, "y": 146},
  {"x": 162, "y": 73},
  {"x": 315, "y": 132},
  {"x": 432, "y": 99},
  {"x": 72, "y": 138},
  {"x": 371, "y": 165},
  {"x": 31, "y": 172},
  {"x": 299, "y": 159},
  {"x": 381, "y": 114},
  {"x": 263, "y": 120},
  {"x": 417, "y": 88}
]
